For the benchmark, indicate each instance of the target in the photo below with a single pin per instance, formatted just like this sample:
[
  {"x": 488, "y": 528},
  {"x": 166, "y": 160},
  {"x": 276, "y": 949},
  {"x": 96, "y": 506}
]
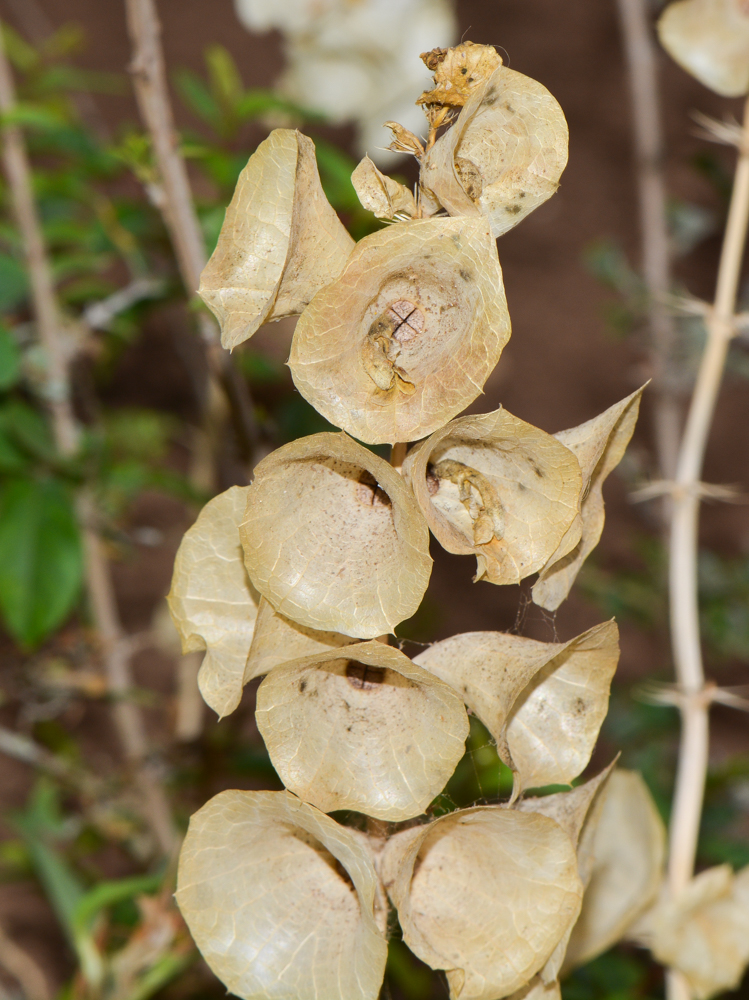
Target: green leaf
[
  {"x": 33, "y": 116},
  {"x": 10, "y": 360},
  {"x": 336, "y": 168},
  {"x": 14, "y": 284},
  {"x": 105, "y": 894},
  {"x": 196, "y": 96},
  {"x": 226, "y": 83},
  {"x": 27, "y": 430},
  {"x": 40, "y": 558}
]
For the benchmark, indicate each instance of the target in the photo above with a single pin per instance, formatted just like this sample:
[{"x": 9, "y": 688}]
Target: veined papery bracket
[
  {"x": 260, "y": 888},
  {"x": 280, "y": 242},
  {"x": 212, "y": 601},
  {"x": 499, "y": 488},
  {"x": 363, "y": 728},
  {"x": 710, "y": 40},
  {"x": 407, "y": 335},
  {"x": 334, "y": 539}
]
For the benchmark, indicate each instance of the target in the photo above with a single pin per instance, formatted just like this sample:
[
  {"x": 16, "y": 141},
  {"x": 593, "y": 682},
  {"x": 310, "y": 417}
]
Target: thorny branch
[
  {"x": 116, "y": 650},
  {"x": 684, "y": 610}
]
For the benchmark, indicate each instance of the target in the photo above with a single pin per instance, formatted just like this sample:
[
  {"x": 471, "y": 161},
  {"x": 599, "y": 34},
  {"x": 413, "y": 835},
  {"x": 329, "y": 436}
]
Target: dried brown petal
[
  {"x": 334, "y": 539},
  {"x": 485, "y": 894},
  {"x": 504, "y": 155},
  {"x": 368, "y": 730},
  {"x": 212, "y": 601},
  {"x": 404, "y": 141},
  {"x": 280, "y": 242},
  {"x": 497, "y": 487},
  {"x": 280, "y": 900},
  {"x": 704, "y": 932},
  {"x": 542, "y": 702},
  {"x": 379, "y": 193},
  {"x": 622, "y": 854},
  {"x": 710, "y": 40},
  {"x": 407, "y": 335},
  {"x": 599, "y": 445},
  {"x": 458, "y": 72},
  {"x": 277, "y": 640}
]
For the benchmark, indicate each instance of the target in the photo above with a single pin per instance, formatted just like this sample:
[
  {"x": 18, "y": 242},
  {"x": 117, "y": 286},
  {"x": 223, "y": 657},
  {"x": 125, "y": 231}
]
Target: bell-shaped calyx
[
  {"x": 281, "y": 240},
  {"x": 543, "y": 702},
  {"x": 499, "y": 488},
  {"x": 407, "y": 335},
  {"x": 333, "y": 538},
  {"x": 621, "y": 853},
  {"x": 212, "y": 601},
  {"x": 485, "y": 894},
  {"x": 361, "y": 727},
  {"x": 599, "y": 445},
  {"x": 380, "y": 194},
  {"x": 281, "y": 900},
  {"x": 710, "y": 40},
  {"x": 504, "y": 155}
]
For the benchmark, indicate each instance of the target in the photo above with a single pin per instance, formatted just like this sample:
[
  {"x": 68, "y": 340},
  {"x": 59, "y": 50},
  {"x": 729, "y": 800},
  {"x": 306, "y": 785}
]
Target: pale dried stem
[
  {"x": 683, "y": 582},
  {"x": 128, "y": 719},
  {"x": 397, "y": 455},
  {"x": 177, "y": 207},
  {"x": 656, "y": 255},
  {"x": 17, "y": 961}
]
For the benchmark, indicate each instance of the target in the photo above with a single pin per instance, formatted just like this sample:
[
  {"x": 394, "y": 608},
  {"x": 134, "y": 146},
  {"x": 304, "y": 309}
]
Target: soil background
[{"x": 563, "y": 365}]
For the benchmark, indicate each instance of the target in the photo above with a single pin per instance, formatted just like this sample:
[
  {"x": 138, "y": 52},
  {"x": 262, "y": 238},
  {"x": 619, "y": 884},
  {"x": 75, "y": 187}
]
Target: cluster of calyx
[{"x": 300, "y": 577}]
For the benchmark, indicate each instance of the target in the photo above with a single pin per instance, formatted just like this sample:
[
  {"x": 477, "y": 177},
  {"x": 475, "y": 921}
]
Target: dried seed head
[
  {"x": 368, "y": 730},
  {"x": 485, "y": 894},
  {"x": 710, "y": 40},
  {"x": 599, "y": 445},
  {"x": 504, "y": 155},
  {"x": 280, "y": 242},
  {"x": 458, "y": 72},
  {"x": 704, "y": 932},
  {"x": 280, "y": 899},
  {"x": 380, "y": 194},
  {"x": 407, "y": 335},
  {"x": 499, "y": 488},
  {"x": 622, "y": 852},
  {"x": 334, "y": 539},
  {"x": 212, "y": 601},
  {"x": 543, "y": 702}
]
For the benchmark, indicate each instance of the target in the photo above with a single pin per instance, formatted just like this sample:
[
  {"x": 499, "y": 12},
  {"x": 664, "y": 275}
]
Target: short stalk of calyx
[
  {"x": 397, "y": 454},
  {"x": 683, "y": 584}
]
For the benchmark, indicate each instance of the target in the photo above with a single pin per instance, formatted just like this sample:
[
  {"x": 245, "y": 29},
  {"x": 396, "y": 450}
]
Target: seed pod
[
  {"x": 485, "y": 894},
  {"x": 212, "y": 601},
  {"x": 704, "y": 932},
  {"x": 277, "y": 640},
  {"x": 379, "y": 193},
  {"x": 504, "y": 155},
  {"x": 543, "y": 702},
  {"x": 623, "y": 852},
  {"x": 280, "y": 899},
  {"x": 334, "y": 539},
  {"x": 407, "y": 335},
  {"x": 367, "y": 731},
  {"x": 497, "y": 487},
  {"x": 599, "y": 445},
  {"x": 710, "y": 40},
  {"x": 280, "y": 242}
]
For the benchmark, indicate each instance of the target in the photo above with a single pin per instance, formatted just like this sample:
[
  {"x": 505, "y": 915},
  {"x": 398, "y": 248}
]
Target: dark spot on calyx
[
  {"x": 302, "y": 687},
  {"x": 509, "y": 107},
  {"x": 513, "y": 209},
  {"x": 536, "y": 469},
  {"x": 364, "y": 677},
  {"x": 465, "y": 275}
]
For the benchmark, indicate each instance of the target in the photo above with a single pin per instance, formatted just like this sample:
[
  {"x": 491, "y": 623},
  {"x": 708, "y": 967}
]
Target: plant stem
[
  {"x": 683, "y": 582},
  {"x": 656, "y": 255},
  {"x": 116, "y": 650},
  {"x": 177, "y": 207}
]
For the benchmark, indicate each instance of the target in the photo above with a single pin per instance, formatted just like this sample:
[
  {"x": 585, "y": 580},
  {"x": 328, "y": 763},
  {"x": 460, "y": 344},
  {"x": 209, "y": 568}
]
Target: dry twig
[{"x": 17, "y": 961}]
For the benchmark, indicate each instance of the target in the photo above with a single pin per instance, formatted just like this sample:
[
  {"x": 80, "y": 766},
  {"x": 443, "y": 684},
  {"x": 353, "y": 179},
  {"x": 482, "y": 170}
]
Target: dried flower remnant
[
  {"x": 485, "y": 894},
  {"x": 499, "y": 488},
  {"x": 710, "y": 40},
  {"x": 368, "y": 731},
  {"x": 280, "y": 242},
  {"x": 280, "y": 899},
  {"x": 504, "y": 155},
  {"x": 212, "y": 601},
  {"x": 599, "y": 445},
  {"x": 543, "y": 702},
  {"x": 704, "y": 932},
  {"x": 380, "y": 194},
  {"x": 334, "y": 539},
  {"x": 458, "y": 72},
  {"x": 407, "y": 335},
  {"x": 623, "y": 855}
]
